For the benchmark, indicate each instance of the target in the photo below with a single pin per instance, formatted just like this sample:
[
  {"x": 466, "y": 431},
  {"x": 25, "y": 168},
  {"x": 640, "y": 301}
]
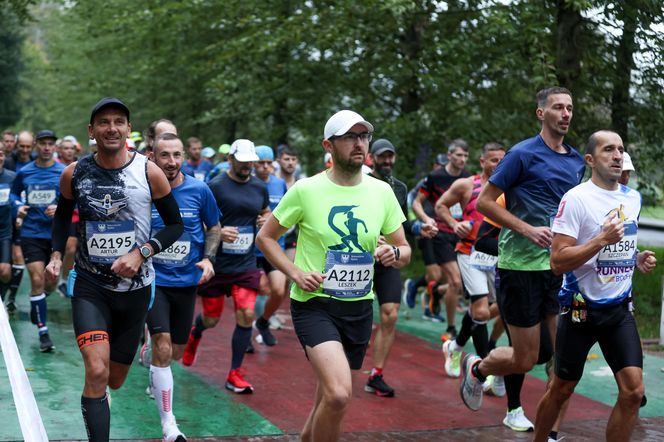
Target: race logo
[
  {"x": 101, "y": 227},
  {"x": 561, "y": 209},
  {"x": 107, "y": 206},
  {"x": 345, "y": 258},
  {"x": 346, "y": 229},
  {"x": 619, "y": 212}
]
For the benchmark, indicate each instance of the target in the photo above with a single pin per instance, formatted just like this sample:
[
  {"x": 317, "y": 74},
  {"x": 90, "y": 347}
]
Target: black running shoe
[
  {"x": 45, "y": 343},
  {"x": 266, "y": 334},
  {"x": 11, "y": 307},
  {"x": 377, "y": 385}
]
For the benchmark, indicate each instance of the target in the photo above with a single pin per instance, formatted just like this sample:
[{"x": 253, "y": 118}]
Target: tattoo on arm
[{"x": 212, "y": 240}]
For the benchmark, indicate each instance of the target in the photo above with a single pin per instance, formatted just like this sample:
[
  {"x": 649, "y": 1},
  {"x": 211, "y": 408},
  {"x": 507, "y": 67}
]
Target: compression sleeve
[
  {"x": 61, "y": 223},
  {"x": 487, "y": 239},
  {"x": 170, "y": 213}
]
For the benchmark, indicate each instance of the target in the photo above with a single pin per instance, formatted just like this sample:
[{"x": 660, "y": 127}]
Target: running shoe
[
  {"x": 432, "y": 317},
  {"x": 377, "y": 385},
  {"x": 449, "y": 335},
  {"x": 550, "y": 439},
  {"x": 494, "y": 385},
  {"x": 189, "y": 354},
  {"x": 108, "y": 397},
  {"x": 62, "y": 288},
  {"x": 145, "y": 355},
  {"x": 275, "y": 323},
  {"x": 517, "y": 420},
  {"x": 148, "y": 392},
  {"x": 471, "y": 387},
  {"x": 409, "y": 293},
  {"x": 266, "y": 334},
  {"x": 171, "y": 432},
  {"x": 11, "y": 307},
  {"x": 452, "y": 360},
  {"x": 45, "y": 343},
  {"x": 236, "y": 383}
]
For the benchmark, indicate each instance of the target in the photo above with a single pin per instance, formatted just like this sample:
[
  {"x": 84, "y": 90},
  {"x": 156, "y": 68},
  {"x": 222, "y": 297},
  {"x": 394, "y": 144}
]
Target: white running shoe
[
  {"x": 275, "y": 323},
  {"x": 148, "y": 391},
  {"x": 471, "y": 387},
  {"x": 494, "y": 385},
  {"x": 172, "y": 433},
  {"x": 452, "y": 360},
  {"x": 517, "y": 420}
]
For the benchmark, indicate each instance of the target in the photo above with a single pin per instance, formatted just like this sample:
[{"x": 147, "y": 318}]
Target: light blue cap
[{"x": 265, "y": 153}]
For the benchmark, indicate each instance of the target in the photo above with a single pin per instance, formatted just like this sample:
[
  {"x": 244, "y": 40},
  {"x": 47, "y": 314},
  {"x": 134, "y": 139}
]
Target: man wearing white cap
[
  {"x": 627, "y": 169},
  {"x": 244, "y": 204},
  {"x": 341, "y": 214}
]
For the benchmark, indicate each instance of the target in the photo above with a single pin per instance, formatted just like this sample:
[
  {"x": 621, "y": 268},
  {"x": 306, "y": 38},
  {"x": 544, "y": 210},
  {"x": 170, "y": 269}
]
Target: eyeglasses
[{"x": 352, "y": 137}]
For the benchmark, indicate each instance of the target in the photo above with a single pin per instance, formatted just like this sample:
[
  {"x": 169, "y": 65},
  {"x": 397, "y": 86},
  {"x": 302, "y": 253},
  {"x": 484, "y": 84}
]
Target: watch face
[{"x": 145, "y": 252}]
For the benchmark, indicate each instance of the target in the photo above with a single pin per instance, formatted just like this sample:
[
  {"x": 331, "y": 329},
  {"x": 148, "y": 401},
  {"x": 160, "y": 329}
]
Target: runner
[
  {"x": 40, "y": 182},
  {"x": 594, "y": 245},
  {"x": 534, "y": 175},
  {"x": 114, "y": 190},
  {"x": 244, "y": 202},
  {"x": 196, "y": 165},
  {"x": 6, "y": 180},
  {"x": 223, "y": 164},
  {"x": 387, "y": 280},
  {"x": 332, "y": 311},
  {"x": 155, "y": 129},
  {"x": 66, "y": 156},
  {"x": 179, "y": 270},
  {"x": 445, "y": 266},
  {"x": 478, "y": 283},
  {"x": 273, "y": 281}
]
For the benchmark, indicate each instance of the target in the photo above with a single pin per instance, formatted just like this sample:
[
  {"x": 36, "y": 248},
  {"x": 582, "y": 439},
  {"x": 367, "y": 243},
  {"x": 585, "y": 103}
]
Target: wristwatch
[
  {"x": 145, "y": 252},
  {"x": 211, "y": 258}
]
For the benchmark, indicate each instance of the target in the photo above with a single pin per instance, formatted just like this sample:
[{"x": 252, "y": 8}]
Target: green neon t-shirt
[{"x": 346, "y": 219}]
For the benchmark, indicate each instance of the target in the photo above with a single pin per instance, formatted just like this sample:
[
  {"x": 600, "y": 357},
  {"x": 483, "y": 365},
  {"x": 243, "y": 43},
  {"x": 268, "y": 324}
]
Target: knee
[
  {"x": 524, "y": 363},
  {"x": 5, "y": 273},
  {"x": 388, "y": 319},
  {"x": 210, "y": 322},
  {"x": 631, "y": 397},
  {"x": 163, "y": 350},
  {"x": 338, "y": 399},
  {"x": 480, "y": 315},
  {"x": 245, "y": 317},
  {"x": 96, "y": 375}
]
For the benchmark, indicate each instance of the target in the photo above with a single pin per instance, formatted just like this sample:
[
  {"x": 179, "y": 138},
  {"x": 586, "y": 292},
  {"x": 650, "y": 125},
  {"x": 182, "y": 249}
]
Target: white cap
[
  {"x": 70, "y": 138},
  {"x": 243, "y": 150},
  {"x": 130, "y": 143},
  {"x": 92, "y": 142},
  {"x": 342, "y": 121},
  {"x": 627, "y": 162}
]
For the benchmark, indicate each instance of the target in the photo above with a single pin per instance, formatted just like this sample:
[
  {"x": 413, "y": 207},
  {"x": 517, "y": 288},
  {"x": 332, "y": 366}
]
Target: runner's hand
[
  {"x": 128, "y": 265},
  {"x": 613, "y": 230},
  {"x": 381, "y": 240},
  {"x": 429, "y": 230},
  {"x": 646, "y": 261},
  {"x": 260, "y": 220},
  {"x": 52, "y": 270},
  {"x": 229, "y": 234},
  {"x": 541, "y": 236},
  {"x": 308, "y": 281},
  {"x": 50, "y": 210},
  {"x": 385, "y": 254},
  {"x": 462, "y": 229},
  {"x": 208, "y": 270}
]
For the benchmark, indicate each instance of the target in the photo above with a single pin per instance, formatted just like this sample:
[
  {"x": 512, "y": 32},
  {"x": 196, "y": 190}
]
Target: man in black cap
[
  {"x": 387, "y": 280},
  {"x": 114, "y": 190},
  {"x": 40, "y": 181}
]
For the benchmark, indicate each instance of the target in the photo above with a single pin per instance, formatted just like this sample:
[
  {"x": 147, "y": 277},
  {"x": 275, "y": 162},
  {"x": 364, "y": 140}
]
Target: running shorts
[
  {"x": 387, "y": 284},
  {"x": 36, "y": 249},
  {"x": 527, "y": 297},
  {"x": 172, "y": 312}
]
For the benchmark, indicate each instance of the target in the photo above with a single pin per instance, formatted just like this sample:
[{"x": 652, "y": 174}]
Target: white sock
[
  {"x": 161, "y": 386},
  {"x": 454, "y": 346}
]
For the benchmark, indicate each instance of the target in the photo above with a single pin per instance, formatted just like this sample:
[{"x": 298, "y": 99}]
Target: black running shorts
[
  {"x": 265, "y": 265},
  {"x": 6, "y": 251},
  {"x": 36, "y": 249},
  {"x": 615, "y": 330},
  {"x": 525, "y": 298},
  {"x": 443, "y": 247},
  {"x": 387, "y": 284},
  {"x": 172, "y": 312},
  {"x": 121, "y": 315},
  {"x": 326, "y": 319}
]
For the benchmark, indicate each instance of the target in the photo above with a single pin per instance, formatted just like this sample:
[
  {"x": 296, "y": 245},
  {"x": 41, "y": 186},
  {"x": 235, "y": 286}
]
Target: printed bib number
[
  {"x": 40, "y": 196},
  {"x": 456, "y": 211},
  {"x": 4, "y": 195},
  {"x": 622, "y": 253},
  {"x": 177, "y": 254},
  {"x": 108, "y": 240},
  {"x": 483, "y": 261},
  {"x": 200, "y": 176},
  {"x": 348, "y": 275},
  {"x": 242, "y": 244}
]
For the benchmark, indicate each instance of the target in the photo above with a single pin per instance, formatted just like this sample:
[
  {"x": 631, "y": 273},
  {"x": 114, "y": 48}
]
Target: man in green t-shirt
[{"x": 340, "y": 213}]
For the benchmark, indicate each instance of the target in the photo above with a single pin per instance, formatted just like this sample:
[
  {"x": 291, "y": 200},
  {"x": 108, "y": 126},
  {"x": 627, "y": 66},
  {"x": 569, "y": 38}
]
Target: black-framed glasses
[{"x": 351, "y": 137}]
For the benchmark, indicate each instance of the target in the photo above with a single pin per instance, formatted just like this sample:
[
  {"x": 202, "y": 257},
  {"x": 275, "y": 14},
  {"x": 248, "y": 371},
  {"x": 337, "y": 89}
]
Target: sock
[
  {"x": 239, "y": 344},
  {"x": 513, "y": 384},
  {"x": 161, "y": 385},
  {"x": 422, "y": 282},
  {"x": 259, "y": 308},
  {"x": 480, "y": 338},
  {"x": 38, "y": 312},
  {"x": 97, "y": 417},
  {"x": 376, "y": 371},
  {"x": 553, "y": 435},
  {"x": 197, "y": 331},
  {"x": 466, "y": 330},
  {"x": 15, "y": 282},
  {"x": 476, "y": 372},
  {"x": 262, "y": 323},
  {"x": 492, "y": 345}
]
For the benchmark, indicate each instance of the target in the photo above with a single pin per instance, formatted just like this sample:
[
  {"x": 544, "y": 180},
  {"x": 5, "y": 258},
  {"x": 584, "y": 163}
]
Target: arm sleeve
[
  {"x": 170, "y": 213},
  {"x": 487, "y": 239},
  {"x": 61, "y": 223}
]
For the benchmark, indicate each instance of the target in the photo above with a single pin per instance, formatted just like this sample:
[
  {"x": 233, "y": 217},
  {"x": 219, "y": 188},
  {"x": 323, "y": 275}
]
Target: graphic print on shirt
[{"x": 349, "y": 237}]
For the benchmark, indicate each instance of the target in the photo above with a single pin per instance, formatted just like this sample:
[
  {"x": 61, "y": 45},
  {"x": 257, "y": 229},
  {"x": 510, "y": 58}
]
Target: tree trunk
[
  {"x": 568, "y": 48},
  {"x": 620, "y": 101}
]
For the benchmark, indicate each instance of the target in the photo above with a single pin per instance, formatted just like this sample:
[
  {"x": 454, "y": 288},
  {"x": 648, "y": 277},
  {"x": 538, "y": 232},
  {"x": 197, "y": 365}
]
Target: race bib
[
  {"x": 348, "y": 275},
  {"x": 108, "y": 240},
  {"x": 242, "y": 244},
  {"x": 483, "y": 261},
  {"x": 200, "y": 176},
  {"x": 41, "y": 195},
  {"x": 177, "y": 254},
  {"x": 4, "y": 194},
  {"x": 622, "y": 253},
  {"x": 456, "y": 211}
]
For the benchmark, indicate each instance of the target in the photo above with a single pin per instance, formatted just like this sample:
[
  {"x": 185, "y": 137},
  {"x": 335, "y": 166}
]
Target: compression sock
[
  {"x": 240, "y": 342},
  {"x": 480, "y": 338},
  {"x": 38, "y": 312},
  {"x": 513, "y": 384},
  {"x": 161, "y": 386},
  {"x": 476, "y": 372},
  {"x": 97, "y": 418},
  {"x": 199, "y": 327},
  {"x": 262, "y": 323},
  {"x": 466, "y": 330},
  {"x": 15, "y": 282},
  {"x": 422, "y": 282}
]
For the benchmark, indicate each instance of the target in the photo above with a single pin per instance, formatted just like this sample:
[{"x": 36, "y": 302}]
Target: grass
[
  {"x": 656, "y": 212},
  {"x": 647, "y": 290}
]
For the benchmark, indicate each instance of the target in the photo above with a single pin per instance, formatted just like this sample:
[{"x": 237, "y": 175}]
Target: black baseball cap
[
  {"x": 45, "y": 134},
  {"x": 106, "y": 102},
  {"x": 382, "y": 145}
]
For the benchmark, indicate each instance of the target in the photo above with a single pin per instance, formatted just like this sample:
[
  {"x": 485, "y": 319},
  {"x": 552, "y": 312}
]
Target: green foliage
[
  {"x": 647, "y": 292},
  {"x": 11, "y": 39}
]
